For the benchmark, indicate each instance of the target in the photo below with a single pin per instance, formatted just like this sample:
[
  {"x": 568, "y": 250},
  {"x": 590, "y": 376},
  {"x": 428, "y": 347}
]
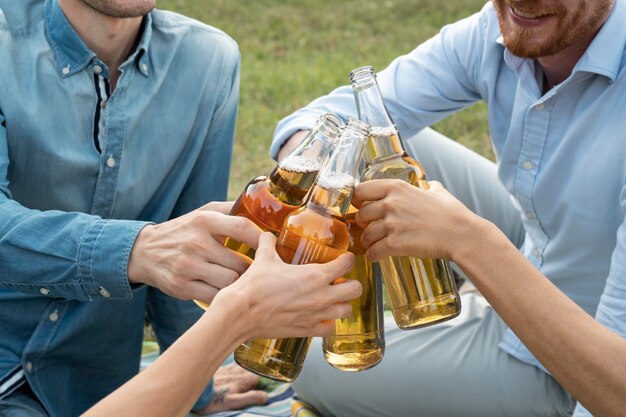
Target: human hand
[
  {"x": 277, "y": 300},
  {"x": 223, "y": 207},
  {"x": 403, "y": 220},
  {"x": 186, "y": 257},
  {"x": 234, "y": 389}
]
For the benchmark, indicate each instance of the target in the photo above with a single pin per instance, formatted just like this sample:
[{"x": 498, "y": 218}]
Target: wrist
[
  {"x": 477, "y": 235},
  {"x": 235, "y": 308},
  {"x": 137, "y": 270}
]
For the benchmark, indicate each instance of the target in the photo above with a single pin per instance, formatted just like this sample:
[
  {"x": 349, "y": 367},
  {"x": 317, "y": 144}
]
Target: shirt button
[
  {"x": 103, "y": 103},
  {"x": 536, "y": 253},
  {"x": 54, "y": 316},
  {"x": 29, "y": 366},
  {"x": 144, "y": 67},
  {"x": 66, "y": 70},
  {"x": 539, "y": 106},
  {"x": 530, "y": 215},
  {"x": 44, "y": 291},
  {"x": 97, "y": 69},
  {"x": 111, "y": 162},
  {"x": 528, "y": 165},
  {"x": 104, "y": 292}
]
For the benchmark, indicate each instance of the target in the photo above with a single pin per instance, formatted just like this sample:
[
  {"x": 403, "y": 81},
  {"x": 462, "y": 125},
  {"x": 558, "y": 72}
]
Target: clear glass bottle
[
  {"x": 358, "y": 341},
  {"x": 267, "y": 200},
  {"x": 314, "y": 233},
  {"x": 422, "y": 292}
]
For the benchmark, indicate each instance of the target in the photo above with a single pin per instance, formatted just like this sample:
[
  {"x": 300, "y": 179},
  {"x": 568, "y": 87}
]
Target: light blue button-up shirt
[
  {"x": 562, "y": 155},
  {"x": 82, "y": 170}
]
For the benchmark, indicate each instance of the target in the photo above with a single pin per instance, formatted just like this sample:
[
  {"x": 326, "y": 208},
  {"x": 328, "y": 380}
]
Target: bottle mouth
[
  {"x": 363, "y": 76},
  {"x": 359, "y": 126},
  {"x": 330, "y": 125}
]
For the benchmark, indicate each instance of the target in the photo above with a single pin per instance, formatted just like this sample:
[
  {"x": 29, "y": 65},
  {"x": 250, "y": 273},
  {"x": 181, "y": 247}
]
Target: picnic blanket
[{"x": 282, "y": 400}]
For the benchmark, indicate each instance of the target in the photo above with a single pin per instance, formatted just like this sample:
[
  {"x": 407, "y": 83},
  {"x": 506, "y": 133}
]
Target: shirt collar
[
  {"x": 71, "y": 53},
  {"x": 604, "y": 54}
]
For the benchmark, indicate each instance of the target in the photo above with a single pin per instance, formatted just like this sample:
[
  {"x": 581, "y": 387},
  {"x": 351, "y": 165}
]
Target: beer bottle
[
  {"x": 267, "y": 200},
  {"x": 314, "y": 233},
  {"x": 357, "y": 342},
  {"x": 421, "y": 291}
]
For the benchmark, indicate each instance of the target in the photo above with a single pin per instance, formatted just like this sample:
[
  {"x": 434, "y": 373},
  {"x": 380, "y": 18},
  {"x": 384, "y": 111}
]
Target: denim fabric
[
  {"x": 21, "y": 403},
  {"x": 70, "y": 213}
]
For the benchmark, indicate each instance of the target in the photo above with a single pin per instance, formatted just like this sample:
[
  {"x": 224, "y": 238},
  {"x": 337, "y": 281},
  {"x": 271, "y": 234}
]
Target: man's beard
[{"x": 571, "y": 28}]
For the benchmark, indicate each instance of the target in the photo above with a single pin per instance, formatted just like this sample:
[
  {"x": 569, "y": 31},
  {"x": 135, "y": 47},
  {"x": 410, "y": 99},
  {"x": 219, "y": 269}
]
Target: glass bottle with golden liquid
[
  {"x": 267, "y": 200},
  {"x": 314, "y": 233},
  {"x": 422, "y": 292},
  {"x": 358, "y": 342}
]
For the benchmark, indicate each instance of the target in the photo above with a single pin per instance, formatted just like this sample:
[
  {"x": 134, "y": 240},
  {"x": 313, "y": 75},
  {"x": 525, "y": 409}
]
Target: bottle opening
[
  {"x": 330, "y": 125},
  {"x": 358, "y": 126},
  {"x": 363, "y": 76}
]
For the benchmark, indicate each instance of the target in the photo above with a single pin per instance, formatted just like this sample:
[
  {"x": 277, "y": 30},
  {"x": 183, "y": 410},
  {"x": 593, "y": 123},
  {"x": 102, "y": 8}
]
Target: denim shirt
[
  {"x": 82, "y": 170},
  {"x": 561, "y": 155}
]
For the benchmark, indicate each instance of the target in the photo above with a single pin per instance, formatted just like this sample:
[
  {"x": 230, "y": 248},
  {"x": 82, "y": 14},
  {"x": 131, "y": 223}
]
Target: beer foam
[
  {"x": 335, "y": 181},
  {"x": 300, "y": 163},
  {"x": 382, "y": 131}
]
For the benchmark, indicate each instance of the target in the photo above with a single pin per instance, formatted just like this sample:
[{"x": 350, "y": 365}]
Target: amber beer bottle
[
  {"x": 358, "y": 342},
  {"x": 421, "y": 291},
  {"x": 314, "y": 233},
  {"x": 267, "y": 200}
]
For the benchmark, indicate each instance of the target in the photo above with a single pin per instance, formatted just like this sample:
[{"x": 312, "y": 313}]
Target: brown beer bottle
[
  {"x": 421, "y": 291},
  {"x": 358, "y": 341},
  {"x": 267, "y": 200},
  {"x": 314, "y": 233}
]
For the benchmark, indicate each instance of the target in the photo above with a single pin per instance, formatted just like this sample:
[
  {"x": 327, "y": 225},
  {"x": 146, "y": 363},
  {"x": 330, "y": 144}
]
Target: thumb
[{"x": 267, "y": 246}]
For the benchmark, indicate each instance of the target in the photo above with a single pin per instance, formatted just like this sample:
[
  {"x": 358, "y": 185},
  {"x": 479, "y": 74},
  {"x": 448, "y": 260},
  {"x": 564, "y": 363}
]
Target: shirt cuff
[{"x": 103, "y": 258}]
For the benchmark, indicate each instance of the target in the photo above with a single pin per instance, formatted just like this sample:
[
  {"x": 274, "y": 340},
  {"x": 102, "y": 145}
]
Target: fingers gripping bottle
[
  {"x": 267, "y": 200},
  {"x": 314, "y": 233},
  {"x": 357, "y": 342},
  {"x": 421, "y": 291}
]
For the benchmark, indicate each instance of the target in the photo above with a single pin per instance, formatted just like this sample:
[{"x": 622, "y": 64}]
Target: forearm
[
  {"x": 172, "y": 384},
  {"x": 292, "y": 143},
  {"x": 584, "y": 356}
]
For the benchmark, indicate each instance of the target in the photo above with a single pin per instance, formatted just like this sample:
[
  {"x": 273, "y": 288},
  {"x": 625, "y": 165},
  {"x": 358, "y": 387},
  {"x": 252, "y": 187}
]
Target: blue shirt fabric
[
  {"x": 69, "y": 213},
  {"x": 561, "y": 155}
]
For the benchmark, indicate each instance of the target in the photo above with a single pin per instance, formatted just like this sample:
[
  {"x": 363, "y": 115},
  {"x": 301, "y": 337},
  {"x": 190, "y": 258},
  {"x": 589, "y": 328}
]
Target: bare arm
[
  {"x": 584, "y": 356},
  {"x": 292, "y": 143},
  {"x": 272, "y": 299}
]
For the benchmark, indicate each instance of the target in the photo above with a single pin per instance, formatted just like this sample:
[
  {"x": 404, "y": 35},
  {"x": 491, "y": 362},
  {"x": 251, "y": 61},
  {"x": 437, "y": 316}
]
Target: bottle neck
[
  {"x": 291, "y": 180},
  {"x": 383, "y": 144},
  {"x": 335, "y": 184},
  {"x": 384, "y": 141},
  {"x": 334, "y": 201}
]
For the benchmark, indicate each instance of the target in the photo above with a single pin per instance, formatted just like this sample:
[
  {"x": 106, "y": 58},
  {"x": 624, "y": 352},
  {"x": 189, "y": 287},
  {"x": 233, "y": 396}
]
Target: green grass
[{"x": 296, "y": 50}]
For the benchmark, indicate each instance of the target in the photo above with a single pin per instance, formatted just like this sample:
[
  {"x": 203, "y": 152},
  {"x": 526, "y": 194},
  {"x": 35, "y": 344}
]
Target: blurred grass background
[{"x": 296, "y": 50}]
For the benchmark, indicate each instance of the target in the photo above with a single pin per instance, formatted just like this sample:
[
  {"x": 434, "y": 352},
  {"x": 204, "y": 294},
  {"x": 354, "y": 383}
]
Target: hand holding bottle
[
  {"x": 277, "y": 299},
  {"x": 403, "y": 220},
  {"x": 186, "y": 257}
]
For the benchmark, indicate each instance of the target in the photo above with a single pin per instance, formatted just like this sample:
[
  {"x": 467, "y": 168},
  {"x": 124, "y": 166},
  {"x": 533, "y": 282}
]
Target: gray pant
[{"x": 454, "y": 368}]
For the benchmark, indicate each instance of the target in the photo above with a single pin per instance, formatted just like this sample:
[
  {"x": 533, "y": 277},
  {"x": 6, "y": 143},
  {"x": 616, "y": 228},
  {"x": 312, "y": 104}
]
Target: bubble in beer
[
  {"x": 336, "y": 181},
  {"x": 300, "y": 163},
  {"x": 379, "y": 131}
]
